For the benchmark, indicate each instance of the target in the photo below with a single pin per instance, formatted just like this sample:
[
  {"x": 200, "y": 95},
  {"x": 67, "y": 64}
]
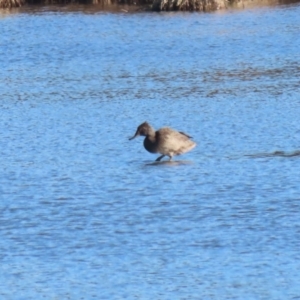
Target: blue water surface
[{"x": 84, "y": 212}]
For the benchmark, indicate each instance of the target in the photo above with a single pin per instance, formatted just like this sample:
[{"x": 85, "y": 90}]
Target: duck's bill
[{"x": 136, "y": 134}]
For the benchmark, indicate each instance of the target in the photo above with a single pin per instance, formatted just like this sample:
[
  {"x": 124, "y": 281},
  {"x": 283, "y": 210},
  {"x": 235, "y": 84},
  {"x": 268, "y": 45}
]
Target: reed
[
  {"x": 105, "y": 3},
  {"x": 188, "y": 5},
  {"x": 156, "y": 5},
  {"x": 11, "y": 3}
]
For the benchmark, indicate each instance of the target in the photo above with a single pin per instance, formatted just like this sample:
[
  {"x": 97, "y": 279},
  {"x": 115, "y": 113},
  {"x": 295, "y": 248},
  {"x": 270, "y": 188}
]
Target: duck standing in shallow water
[{"x": 166, "y": 141}]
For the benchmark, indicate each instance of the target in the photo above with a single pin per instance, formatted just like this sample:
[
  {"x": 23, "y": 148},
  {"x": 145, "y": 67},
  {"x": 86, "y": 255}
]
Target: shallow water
[{"x": 87, "y": 214}]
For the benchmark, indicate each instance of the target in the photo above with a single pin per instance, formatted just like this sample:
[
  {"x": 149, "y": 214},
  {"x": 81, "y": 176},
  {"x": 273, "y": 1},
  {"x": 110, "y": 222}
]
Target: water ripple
[{"x": 86, "y": 214}]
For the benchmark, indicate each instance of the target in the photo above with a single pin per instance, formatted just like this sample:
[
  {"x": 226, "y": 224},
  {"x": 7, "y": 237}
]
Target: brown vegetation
[
  {"x": 156, "y": 5},
  {"x": 188, "y": 5},
  {"x": 11, "y": 3}
]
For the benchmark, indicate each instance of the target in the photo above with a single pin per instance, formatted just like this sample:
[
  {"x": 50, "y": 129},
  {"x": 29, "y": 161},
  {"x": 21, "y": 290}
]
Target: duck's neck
[
  {"x": 150, "y": 142},
  {"x": 151, "y": 135}
]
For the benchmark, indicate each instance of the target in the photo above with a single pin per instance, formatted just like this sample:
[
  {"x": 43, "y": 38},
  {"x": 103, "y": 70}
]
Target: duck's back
[{"x": 172, "y": 142}]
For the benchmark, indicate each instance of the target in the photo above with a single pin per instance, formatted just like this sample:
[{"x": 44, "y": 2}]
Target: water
[{"x": 84, "y": 212}]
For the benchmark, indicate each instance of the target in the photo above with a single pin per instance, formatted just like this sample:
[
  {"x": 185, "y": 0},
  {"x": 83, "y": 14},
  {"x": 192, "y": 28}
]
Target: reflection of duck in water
[{"x": 165, "y": 141}]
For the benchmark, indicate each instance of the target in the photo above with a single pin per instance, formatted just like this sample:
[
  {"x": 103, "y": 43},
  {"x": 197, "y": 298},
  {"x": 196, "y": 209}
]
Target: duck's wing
[
  {"x": 171, "y": 142},
  {"x": 166, "y": 132},
  {"x": 190, "y": 137}
]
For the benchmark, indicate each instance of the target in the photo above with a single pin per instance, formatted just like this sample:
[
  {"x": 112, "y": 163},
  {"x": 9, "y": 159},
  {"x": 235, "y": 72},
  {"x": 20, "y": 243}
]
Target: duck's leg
[
  {"x": 159, "y": 158},
  {"x": 170, "y": 158}
]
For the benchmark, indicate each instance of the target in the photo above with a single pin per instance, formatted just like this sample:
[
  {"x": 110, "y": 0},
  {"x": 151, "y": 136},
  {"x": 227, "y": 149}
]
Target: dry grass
[
  {"x": 188, "y": 5},
  {"x": 11, "y": 3},
  {"x": 156, "y": 5}
]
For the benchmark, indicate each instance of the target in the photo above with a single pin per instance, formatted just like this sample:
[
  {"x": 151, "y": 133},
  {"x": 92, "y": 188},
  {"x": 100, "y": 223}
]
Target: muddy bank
[{"x": 154, "y": 5}]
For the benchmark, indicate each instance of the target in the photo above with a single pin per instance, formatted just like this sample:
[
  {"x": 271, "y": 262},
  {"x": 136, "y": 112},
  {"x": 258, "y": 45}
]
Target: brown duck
[{"x": 166, "y": 141}]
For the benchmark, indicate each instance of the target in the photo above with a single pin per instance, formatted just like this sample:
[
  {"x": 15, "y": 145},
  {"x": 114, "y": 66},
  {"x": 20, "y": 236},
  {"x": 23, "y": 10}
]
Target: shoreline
[{"x": 149, "y": 5}]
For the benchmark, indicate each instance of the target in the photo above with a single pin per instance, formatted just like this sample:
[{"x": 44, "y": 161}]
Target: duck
[{"x": 166, "y": 141}]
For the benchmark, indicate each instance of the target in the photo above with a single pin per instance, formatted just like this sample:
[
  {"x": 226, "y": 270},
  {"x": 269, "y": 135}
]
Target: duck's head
[{"x": 144, "y": 129}]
